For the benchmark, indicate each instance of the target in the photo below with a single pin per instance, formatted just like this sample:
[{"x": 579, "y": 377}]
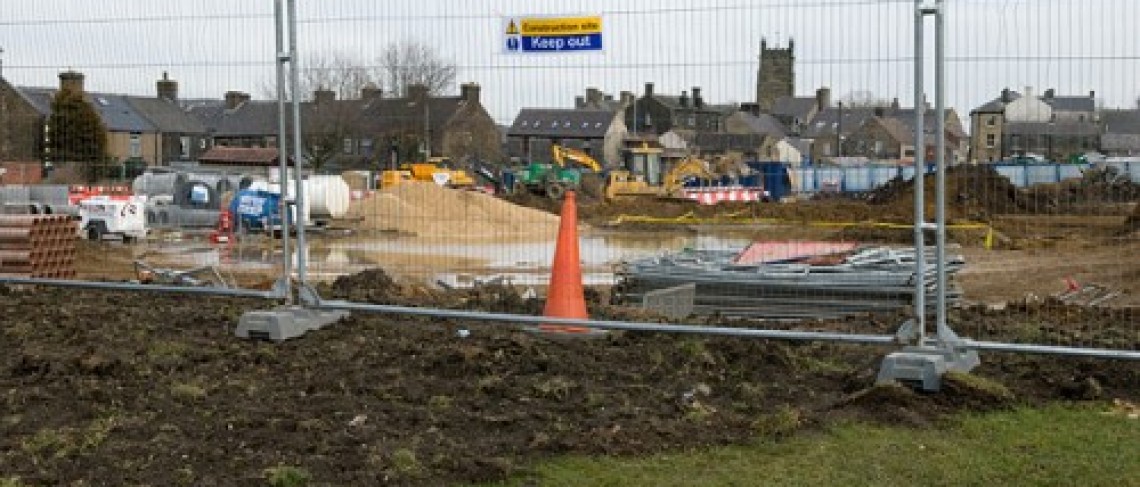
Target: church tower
[{"x": 776, "y": 76}]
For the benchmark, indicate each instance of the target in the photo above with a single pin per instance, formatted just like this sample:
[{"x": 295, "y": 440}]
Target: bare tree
[
  {"x": 864, "y": 99},
  {"x": 398, "y": 66},
  {"x": 339, "y": 72},
  {"x": 411, "y": 62}
]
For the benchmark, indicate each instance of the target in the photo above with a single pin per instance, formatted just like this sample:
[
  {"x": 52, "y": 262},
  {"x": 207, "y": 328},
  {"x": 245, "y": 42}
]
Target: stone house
[
  {"x": 882, "y": 134},
  {"x": 598, "y": 132},
  {"x": 685, "y": 114},
  {"x": 152, "y": 130},
  {"x": 369, "y": 132},
  {"x": 1121, "y": 133},
  {"x": 1055, "y": 127}
]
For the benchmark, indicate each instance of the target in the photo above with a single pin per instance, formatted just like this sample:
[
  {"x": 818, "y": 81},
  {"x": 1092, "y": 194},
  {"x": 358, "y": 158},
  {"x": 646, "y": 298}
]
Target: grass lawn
[{"x": 1057, "y": 445}]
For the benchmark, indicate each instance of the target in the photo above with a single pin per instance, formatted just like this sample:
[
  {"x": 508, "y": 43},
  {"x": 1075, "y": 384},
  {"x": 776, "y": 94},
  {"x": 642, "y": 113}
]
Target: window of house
[
  {"x": 523, "y": 123},
  {"x": 366, "y": 146},
  {"x": 202, "y": 144},
  {"x": 348, "y": 145},
  {"x": 136, "y": 144},
  {"x": 878, "y": 147},
  {"x": 991, "y": 121},
  {"x": 691, "y": 120},
  {"x": 991, "y": 141},
  {"x": 184, "y": 147}
]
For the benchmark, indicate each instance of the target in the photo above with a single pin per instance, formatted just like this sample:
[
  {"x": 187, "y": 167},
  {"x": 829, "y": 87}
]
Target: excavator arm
[
  {"x": 688, "y": 168},
  {"x": 563, "y": 154}
]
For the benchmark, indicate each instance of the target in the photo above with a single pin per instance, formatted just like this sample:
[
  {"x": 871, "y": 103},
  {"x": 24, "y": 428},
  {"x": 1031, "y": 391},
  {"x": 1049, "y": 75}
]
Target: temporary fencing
[{"x": 439, "y": 159}]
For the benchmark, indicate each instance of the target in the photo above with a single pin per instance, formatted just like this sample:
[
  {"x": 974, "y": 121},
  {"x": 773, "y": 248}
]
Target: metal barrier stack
[{"x": 37, "y": 246}]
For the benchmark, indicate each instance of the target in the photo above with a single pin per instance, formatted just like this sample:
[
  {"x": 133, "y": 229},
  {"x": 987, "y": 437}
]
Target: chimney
[
  {"x": 323, "y": 95},
  {"x": 823, "y": 98},
  {"x": 684, "y": 100},
  {"x": 1006, "y": 95},
  {"x": 627, "y": 98},
  {"x": 698, "y": 102},
  {"x": 1050, "y": 93},
  {"x": 593, "y": 96},
  {"x": 234, "y": 99},
  {"x": 71, "y": 81},
  {"x": 648, "y": 89},
  {"x": 895, "y": 103},
  {"x": 417, "y": 92},
  {"x": 1092, "y": 94},
  {"x": 880, "y": 111},
  {"x": 579, "y": 102},
  {"x": 167, "y": 88},
  {"x": 469, "y": 92},
  {"x": 371, "y": 92}
]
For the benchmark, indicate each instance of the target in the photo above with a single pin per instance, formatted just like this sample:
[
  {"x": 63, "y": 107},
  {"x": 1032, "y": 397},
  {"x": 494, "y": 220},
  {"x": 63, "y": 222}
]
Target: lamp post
[{"x": 839, "y": 133}]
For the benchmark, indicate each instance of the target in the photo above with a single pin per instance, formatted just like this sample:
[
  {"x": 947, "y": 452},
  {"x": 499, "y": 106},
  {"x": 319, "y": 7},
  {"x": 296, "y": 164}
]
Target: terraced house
[{"x": 151, "y": 130}]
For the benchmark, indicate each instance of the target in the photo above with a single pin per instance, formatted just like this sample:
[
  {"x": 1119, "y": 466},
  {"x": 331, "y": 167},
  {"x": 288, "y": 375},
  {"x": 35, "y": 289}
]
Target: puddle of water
[{"x": 455, "y": 264}]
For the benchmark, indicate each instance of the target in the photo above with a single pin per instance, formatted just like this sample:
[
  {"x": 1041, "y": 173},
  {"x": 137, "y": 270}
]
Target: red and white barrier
[
  {"x": 79, "y": 193},
  {"x": 712, "y": 196}
]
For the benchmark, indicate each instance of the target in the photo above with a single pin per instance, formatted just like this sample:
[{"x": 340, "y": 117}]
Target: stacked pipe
[{"x": 40, "y": 246}]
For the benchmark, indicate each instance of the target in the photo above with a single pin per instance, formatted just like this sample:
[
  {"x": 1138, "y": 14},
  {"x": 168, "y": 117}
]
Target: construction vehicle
[
  {"x": 691, "y": 170},
  {"x": 552, "y": 180},
  {"x": 564, "y": 154},
  {"x": 436, "y": 170}
]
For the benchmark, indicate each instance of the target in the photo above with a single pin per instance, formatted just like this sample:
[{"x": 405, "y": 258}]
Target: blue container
[
  {"x": 256, "y": 209},
  {"x": 774, "y": 178}
]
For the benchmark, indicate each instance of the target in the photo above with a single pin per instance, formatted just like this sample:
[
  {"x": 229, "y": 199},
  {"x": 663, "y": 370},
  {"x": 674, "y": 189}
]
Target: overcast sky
[{"x": 211, "y": 46}]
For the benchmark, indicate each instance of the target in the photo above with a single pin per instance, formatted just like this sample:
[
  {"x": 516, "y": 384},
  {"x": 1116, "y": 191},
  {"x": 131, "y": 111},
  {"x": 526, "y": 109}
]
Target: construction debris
[{"x": 862, "y": 280}]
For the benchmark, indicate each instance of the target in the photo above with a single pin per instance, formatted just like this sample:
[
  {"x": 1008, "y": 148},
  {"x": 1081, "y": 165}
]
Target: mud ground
[
  {"x": 103, "y": 388},
  {"x": 107, "y": 388}
]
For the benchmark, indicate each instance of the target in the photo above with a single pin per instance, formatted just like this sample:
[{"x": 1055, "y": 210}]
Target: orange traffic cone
[{"x": 565, "y": 297}]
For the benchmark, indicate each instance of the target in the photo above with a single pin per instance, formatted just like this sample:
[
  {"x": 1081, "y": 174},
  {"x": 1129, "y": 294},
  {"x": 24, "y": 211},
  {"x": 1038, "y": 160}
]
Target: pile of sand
[{"x": 429, "y": 210}]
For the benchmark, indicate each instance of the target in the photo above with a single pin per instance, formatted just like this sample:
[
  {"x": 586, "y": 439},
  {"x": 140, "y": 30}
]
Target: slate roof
[
  {"x": 826, "y": 122},
  {"x": 1059, "y": 103},
  {"x": 798, "y": 108},
  {"x": 763, "y": 124},
  {"x": 555, "y": 122},
  {"x": 252, "y": 118},
  {"x": 124, "y": 113},
  {"x": 1121, "y": 121},
  {"x": 1071, "y": 103},
  {"x": 115, "y": 111},
  {"x": 166, "y": 116}
]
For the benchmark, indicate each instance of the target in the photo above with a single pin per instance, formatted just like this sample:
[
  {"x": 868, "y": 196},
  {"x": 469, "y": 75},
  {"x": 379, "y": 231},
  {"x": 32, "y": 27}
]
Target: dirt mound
[{"x": 429, "y": 210}]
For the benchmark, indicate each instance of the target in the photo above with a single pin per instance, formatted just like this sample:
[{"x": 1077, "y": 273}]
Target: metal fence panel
[{"x": 412, "y": 179}]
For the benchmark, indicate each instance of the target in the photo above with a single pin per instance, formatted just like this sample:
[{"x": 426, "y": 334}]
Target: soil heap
[{"x": 429, "y": 210}]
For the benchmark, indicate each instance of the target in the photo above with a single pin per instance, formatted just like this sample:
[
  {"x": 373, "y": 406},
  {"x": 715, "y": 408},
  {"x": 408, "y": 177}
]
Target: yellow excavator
[{"x": 627, "y": 185}]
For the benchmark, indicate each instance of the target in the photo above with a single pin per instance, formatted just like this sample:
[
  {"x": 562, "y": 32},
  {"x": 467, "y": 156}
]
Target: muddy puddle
[{"x": 446, "y": 263}]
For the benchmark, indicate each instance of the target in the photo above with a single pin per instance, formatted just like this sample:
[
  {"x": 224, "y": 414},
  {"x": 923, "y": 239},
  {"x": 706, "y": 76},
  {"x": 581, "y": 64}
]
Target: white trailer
[{"x": 101, "y": 216}]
